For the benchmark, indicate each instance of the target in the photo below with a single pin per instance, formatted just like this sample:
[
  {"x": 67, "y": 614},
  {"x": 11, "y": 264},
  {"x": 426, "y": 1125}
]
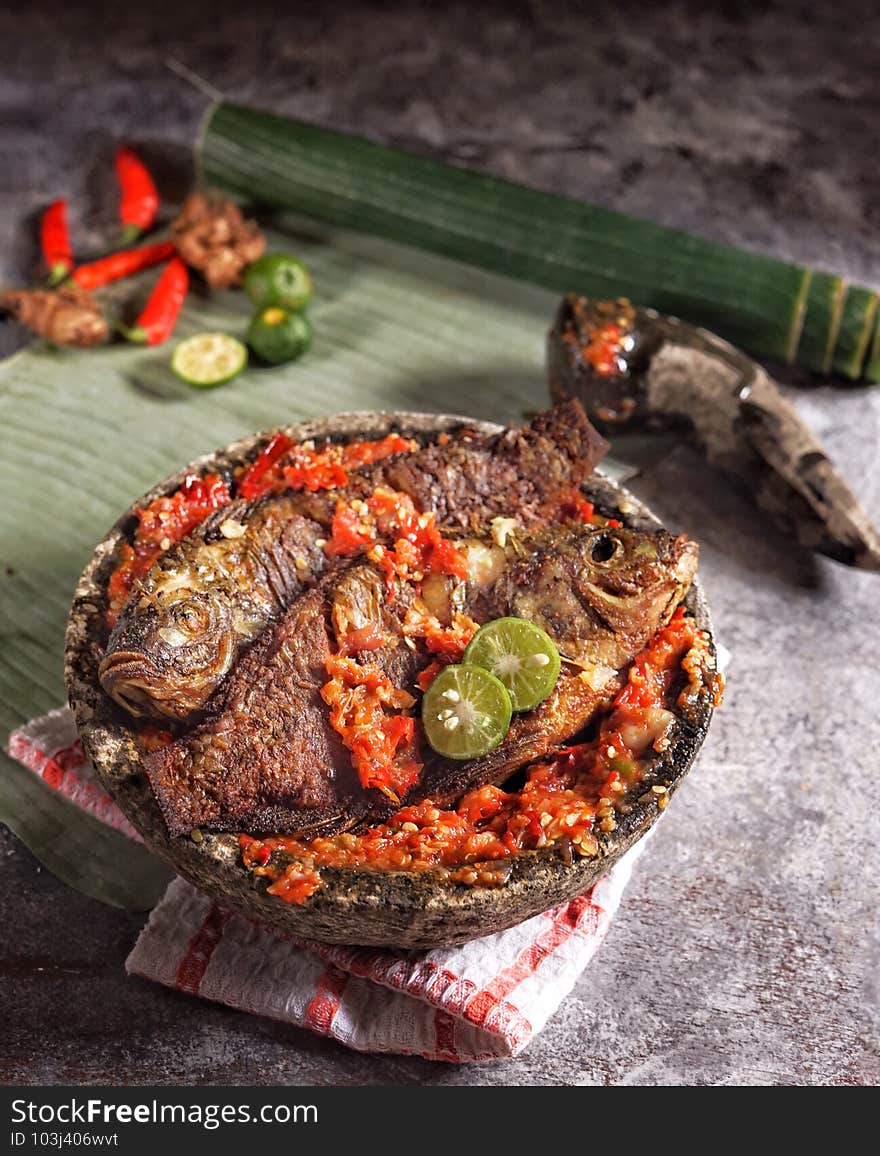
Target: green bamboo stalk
[
  {"x": 856, "y": 328},
  {"x": 872, "y": 367},
  {"x": 821, "y": 322},
  {"x": 753, "y": 300}
]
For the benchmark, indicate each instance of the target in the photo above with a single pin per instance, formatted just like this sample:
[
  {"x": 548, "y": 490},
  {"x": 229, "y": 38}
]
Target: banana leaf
[
  {"x": 87, "y": 854},
  {"x": 86, "y": 432}
]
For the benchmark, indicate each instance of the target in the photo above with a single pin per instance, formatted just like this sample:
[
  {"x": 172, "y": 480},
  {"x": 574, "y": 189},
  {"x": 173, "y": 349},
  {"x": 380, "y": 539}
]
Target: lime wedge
[
  {"x": 465, "y": 712},
  {"x": 521, "y": 655},
  {"x": 209, "y": 359}
]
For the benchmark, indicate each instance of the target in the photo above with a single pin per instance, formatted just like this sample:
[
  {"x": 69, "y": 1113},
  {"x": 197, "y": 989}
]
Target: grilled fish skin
[
  {"x": 202, "y": 603},
  {"x": 205, "y": 599},
  {"x": 601, "y": 597},
  {"x": 269, "y": 761}
]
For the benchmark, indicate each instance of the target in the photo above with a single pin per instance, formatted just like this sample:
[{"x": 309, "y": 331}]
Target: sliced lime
[
  {"x": 209, "y": 359},
  {"x": 465, "y": 712},
  {"x": 520, "y": 654}
]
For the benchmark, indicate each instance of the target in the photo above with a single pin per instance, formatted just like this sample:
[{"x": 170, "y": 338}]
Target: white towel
[{"x": 482, "y": 1000}]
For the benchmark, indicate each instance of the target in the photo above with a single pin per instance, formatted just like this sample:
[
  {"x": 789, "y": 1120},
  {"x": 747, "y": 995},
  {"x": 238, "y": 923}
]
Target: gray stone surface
[{"x": 745, "y": 950}]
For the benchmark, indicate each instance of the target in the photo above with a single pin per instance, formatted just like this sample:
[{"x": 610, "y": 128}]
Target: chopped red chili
[
  {"x": 284, "y": 465},
  {"x": 448, "y": 643},
  {"x": 381, "y": 743},
  {"x": 652, "y": 671},
  {"x": 363, "y": 453},
  {"x": 575, "y": 507},
  {"x": 255, "y": 482},
  {"x": 427, "y": 676},
  {"x": 603, "y": 349},
  {"x": 419, "y": 547},
  {"x": 567, "y": 801},
  {"x": 313, "y": 471},
  {"x": 349, "y": 534},
  {"x": 160, "y": 524}
]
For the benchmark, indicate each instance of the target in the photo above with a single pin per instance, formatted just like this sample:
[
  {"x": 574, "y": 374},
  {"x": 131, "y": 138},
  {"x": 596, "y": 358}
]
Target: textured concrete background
[{"x": 745, "y": 950}]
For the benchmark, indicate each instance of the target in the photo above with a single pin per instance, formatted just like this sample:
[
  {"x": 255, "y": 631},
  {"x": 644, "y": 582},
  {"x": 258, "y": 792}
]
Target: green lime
[
  {"x": 278, "y": 279},
  {"x": 465, "y": 712},
  {"x": 209, "y": 359},
  {"x": 520, "y": 654},
  {"x": 278, "y": 335}
]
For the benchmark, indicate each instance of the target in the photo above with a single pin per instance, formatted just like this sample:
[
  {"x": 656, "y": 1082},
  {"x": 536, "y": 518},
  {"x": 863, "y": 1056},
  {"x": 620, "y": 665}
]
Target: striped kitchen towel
[{"x": 482, "y": 1000}]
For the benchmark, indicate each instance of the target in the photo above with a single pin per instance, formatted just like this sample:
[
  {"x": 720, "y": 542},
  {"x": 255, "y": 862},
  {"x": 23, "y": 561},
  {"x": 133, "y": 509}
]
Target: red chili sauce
[
  {"x": 161, "y": 524},
  {"x": 564, "y": 800},
  {"x": 563, "y": 803},
  {"x": 284, "y": 465},
  {"x": 371, "y": 715},
  {"x": 280, "y": 465}
]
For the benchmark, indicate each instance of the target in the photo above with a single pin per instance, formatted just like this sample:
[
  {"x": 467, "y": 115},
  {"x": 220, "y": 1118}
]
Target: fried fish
[
  {"x": 204, "y": 601},
  {"x": 269, "y": 760}
]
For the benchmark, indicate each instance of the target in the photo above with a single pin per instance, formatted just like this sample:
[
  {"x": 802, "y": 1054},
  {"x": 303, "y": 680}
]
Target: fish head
[
  {"x": 169, "y": 629},
  {"x": 628, "y": 583},
  {"x": 620, "y": 562},
  {"x": 597, "y": 590}
]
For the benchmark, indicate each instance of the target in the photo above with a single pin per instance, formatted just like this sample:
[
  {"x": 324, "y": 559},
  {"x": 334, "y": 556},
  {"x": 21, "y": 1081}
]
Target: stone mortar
[{"x": 401, "y": 909}]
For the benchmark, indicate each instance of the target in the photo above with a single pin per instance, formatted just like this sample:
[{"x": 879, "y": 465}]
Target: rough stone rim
[{"x": 355, "y": 907}]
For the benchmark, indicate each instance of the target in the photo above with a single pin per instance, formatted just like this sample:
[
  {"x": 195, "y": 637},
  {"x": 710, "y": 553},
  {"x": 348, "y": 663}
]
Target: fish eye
[
  {"x": 604, "y": 548},
  {"x": 192, "y": 616}
]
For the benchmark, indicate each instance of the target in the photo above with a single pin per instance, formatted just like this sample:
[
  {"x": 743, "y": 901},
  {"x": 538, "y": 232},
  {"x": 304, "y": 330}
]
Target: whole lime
[
  {"x": 278, "y": 279},
  {"x": 278, "y": 335}
]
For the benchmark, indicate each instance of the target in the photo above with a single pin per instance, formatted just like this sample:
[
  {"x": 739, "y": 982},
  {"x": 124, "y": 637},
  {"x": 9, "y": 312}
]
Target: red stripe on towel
[
  {"x": 324, "y": 1004},
  {"x": 444, "y": 1038},
  {"x": 192, "y": 968},
  {"x": 581, "y": 913}
]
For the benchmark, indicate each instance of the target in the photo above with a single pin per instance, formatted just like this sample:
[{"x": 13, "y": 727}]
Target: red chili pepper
[
  {"x": 55, "y": 242},
  {"x": 140, "y": 199},
  {"x": 124, "y": 264},
  {"x": 252, "y": 484},
  {"x": 160, "y": 313}
]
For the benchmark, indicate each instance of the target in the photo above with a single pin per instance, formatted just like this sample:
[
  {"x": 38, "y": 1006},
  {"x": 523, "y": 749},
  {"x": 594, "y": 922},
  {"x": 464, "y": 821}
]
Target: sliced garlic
[
  {"x": 230, "y": 528},
  {"x": 502, "y": 529}
]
